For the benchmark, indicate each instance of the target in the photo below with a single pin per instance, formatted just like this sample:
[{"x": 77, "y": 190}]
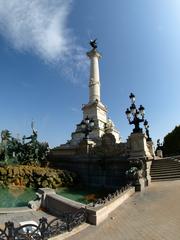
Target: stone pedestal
[
  {"x": 85, "y": 146},
  {"x": 139, "y": 186},
  {"x": 138, "y": 146},
  {"x": 141, "y": 149},
  {"x": 150, "y": 146},
  {"x": 98, "y": 112},
  {"x": 159, "y": 153},
  {"x": 148, "y": 176}
]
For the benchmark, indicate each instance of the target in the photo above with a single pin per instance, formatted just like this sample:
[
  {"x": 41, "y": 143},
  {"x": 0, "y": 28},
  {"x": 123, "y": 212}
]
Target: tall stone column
[
  {"x": 94, "y": 81},
  {"x": 95, "y": 109}
]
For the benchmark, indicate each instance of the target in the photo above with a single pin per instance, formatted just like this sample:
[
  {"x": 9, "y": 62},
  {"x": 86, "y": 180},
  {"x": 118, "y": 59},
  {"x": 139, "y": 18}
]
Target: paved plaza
[
  {"x": 150, "y": 215},
  {"x": 23, "y": 216}
]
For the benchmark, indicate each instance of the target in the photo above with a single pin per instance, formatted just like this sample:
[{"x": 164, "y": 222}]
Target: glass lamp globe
[
  {"x": 128, "y": 113},
  {"x": 91, "y": 123},
  {"x": 133, "y": 108},
  {"x": 132, "y": 97},
  {"x": 87, "y": 120},
  {"x": 83, "y": 124},
  {"x": 141, "y": 110}
]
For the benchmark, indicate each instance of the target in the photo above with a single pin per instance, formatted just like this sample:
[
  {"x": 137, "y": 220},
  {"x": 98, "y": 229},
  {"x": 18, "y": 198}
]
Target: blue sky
[{"x": 44, "y": 71}]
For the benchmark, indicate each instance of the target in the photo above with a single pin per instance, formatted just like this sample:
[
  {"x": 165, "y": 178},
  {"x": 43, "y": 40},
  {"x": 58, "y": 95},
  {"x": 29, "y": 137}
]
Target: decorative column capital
[{"x": 94, "y": 53}]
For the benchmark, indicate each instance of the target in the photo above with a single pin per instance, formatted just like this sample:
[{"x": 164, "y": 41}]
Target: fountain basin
[
  {"x": 83, "y": 195},
  {"x": 16, "y": 197}
]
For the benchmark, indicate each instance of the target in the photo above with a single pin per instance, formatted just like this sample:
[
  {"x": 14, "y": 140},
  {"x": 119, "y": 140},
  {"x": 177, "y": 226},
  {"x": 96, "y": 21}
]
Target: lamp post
[
  {"x": 87, "y": 126},
  {"x": 136, "y": 114},
  {"x": 146, "y": 126}
]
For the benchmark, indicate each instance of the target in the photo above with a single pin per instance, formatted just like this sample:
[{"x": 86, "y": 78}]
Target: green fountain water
[
  {"x": 82, "y": 194},
  {"x": 19, "y": 197},
  {"x": 16, "y": 197}
]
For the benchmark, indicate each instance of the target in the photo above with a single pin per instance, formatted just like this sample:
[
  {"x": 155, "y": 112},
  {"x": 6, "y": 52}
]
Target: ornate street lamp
[
  {"x": 146, "y": 125},
  {"x": 132, "y": 97},
  {"x": 135, "y": 114},
  {"x": 87, "y": 126}
]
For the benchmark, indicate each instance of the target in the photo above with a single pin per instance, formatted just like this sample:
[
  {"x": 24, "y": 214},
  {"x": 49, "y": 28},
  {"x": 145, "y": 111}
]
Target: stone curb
[
  {"x": 69, "y": 234},
  {"x": 15, "y": 210}
]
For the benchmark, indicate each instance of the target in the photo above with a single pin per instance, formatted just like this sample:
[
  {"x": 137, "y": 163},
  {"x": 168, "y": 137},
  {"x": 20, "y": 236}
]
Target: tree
[{"x": 171, "y": 145}]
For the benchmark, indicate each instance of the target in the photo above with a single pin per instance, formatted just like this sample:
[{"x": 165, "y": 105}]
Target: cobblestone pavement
[{"x": 150, "y": 215}]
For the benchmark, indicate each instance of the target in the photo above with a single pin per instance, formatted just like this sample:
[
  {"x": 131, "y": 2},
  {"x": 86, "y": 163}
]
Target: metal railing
[
  {"x": 44, "y": 230},
  {"x": 110, "y": 196}
]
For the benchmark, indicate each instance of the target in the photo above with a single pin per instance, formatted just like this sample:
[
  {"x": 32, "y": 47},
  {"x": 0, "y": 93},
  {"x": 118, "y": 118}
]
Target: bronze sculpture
[
  {"x": 13, "y": 150},
  {"x": 93, "y": 44}
]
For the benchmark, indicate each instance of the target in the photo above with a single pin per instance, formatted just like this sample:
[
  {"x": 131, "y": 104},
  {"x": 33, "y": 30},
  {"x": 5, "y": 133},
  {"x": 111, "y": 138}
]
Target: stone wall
[
  {"x": 106, "y": 164},
  {"x": 95, "y": 215},
  {"x": 94, "y": 170}
]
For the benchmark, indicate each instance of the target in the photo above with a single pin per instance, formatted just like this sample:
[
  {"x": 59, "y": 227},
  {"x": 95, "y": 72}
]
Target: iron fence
[
  {"x": 110, "y": 196},
  {"x": 44, "y": 230}
]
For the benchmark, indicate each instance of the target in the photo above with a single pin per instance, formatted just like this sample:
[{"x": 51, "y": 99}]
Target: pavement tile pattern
[{"x": 150, "y": 215}]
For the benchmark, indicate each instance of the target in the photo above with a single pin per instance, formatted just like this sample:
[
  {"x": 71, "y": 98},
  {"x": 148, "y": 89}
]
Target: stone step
[
  {"x": 165, "y": 159},
  {"x": 166, "y": 176},
  {"x": 164, "y": 172},
  {"x": 165, "y": 166},
  {"x": 165, "y": 169},
  {"x": 165, "y": 179},
  {"x": 165, "y": 163}
]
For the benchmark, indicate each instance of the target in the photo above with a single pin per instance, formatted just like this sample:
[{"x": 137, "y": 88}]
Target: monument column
[
  {"x": 94, "y": 81},
  {"x": 94, "y": 109}
]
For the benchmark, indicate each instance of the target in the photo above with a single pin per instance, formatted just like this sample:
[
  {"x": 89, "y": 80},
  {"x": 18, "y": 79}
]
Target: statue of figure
[
  {"x": 109, "y": 126},
  {"x": 93, "y": 43},
  {"x": 4, "y": 145},
  {"x": 33, "y": 137},
  {"x": 5, "y": 135},
  {"x": 13, "y": 150}
]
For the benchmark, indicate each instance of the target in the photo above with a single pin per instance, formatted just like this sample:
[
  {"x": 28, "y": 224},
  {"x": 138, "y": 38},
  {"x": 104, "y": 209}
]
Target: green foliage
[
  {"x": 35, "y": 177},
  {"x": 20, "y": 160},
  {"x": 5, "y": 135},
  {"x": 132, "y": 174},
  {"x": 16, "y": 151},
  {"x": 171, "y": 144},
  {"x": 136, "y": 171}
]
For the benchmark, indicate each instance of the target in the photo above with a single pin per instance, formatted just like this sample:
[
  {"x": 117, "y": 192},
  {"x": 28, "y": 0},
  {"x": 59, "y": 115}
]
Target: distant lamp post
[
  {"x": 136, "y": 114},
  {"x": 87, "y": 126},
  {"x": 159, "y": 145},
  {"x": 146, "y": 126}
]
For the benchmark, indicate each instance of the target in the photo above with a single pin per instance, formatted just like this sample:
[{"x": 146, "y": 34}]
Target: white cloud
[{"x": 40, "y": 27}]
